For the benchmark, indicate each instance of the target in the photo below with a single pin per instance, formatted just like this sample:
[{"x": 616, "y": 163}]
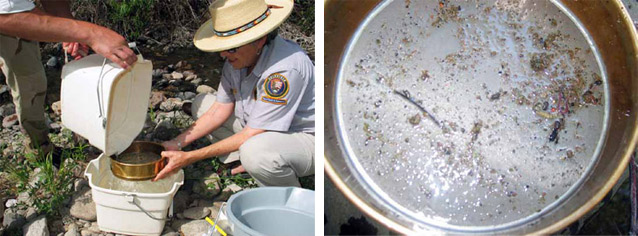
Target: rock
[
  {"x": 197, "y": 81},
  {"x": 170, "y": 68},
  {"x": 4, "y": 89},
  {"x": 176, "y": 75},
  {"x": 204, "y": 89},
  {"x": 196, "y": 227},
  {"x": 207, "y": 188},
  {"x": 180, "y": 201},
  {"x": 31, "y": 214},
  {"x": 55, "y": 126},
  {"x": 52, "y": 62},
  {"x": 171, "y": 104},
  {"x": 57, "y": 108},
  {"x": 191, "y": 77},
  {"x": 11, "y": 203},
  {"x": 180, "y": 64},
  {"x": 157, "y": 73},
  {"x": 234, "y": 187},
  {"x": 7, "y": 109},
  {"x": 224, "y": 195},
  {"x": 167, "y": 77},
  {"x": 196, "y": 213},
  {"x": 168, "y": 49},
  {"x": 80, "y": 184},
  {"x": 189, "y": 95},
  {"x": 94, "y": 227},
  {"x": 37, "y": 227},
  {"x": 24, "y": 198},
  {"x": 165, "y": 130},
  {"x": 36, "y": 176},
  {"x": 82, "y": 206},
  {"x": 156, "y": 99},
  {"x": 72, "y": 231},
  {"x": 171, "y": 234},
  {"x": 12, "y": 220},
  {"x": 175, "y": 82},
  {"x": 187, "y": 73},
  {"x": 10, "y": 120},
  {"x": 86, "y": 232},
  {"x": 214, "y": 210},
  {"x": 180, "y": 216},
  {"x": 161, "y": 84},
  {"x": 165, "y": 115}
]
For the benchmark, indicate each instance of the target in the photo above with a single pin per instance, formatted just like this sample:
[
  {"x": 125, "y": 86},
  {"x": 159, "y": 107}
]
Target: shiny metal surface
[
  {"x": 142, "y": 171},
  {"x": 608, "y": 28}
]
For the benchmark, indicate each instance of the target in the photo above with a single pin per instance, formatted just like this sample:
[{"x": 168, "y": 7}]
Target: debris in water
[
  {"x": 495, "y": 96},
  {"x": 405, "y": 95},
  {"x": 553, "y": 137},
  {"x": 476, "y": 130},
  {"x": 539, "y": 61},
  {"x": 425, "y": 75},
  {"x": 415, "y": 120}
]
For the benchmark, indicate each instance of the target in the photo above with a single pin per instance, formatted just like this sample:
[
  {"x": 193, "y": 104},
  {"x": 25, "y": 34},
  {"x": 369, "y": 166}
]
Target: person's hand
[
  {"x": 171, "y": 145},
  {"x": 77, "y": 50},
  {"x": 112, "y": 46},
  {"x": 176, "y": 160}
]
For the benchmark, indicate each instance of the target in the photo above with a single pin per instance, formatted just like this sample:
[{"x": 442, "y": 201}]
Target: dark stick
[{"x": 409, "y": 99}]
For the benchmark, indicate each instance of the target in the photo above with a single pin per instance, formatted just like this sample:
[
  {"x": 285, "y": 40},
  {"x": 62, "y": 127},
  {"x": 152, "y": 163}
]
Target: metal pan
[
  {"x": 478, "y": 117},
  {"x": 139, "y": 171}
]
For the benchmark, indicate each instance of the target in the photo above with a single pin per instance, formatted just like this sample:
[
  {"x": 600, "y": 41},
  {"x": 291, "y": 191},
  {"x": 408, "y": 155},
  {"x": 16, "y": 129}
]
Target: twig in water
[{"x": 409, "y": 99}]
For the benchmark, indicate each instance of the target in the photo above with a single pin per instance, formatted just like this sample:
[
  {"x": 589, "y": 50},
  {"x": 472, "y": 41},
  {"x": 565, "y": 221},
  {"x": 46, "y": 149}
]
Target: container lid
[{"x": 105, "y": 103}]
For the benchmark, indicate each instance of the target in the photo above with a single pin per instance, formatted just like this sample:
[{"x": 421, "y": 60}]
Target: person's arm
[
  {"x": 38, "y": 26},
  {"x": 62, "y": 8},
  {"x": 179, "y": 159},
  {"x": 216, "y": 115}
]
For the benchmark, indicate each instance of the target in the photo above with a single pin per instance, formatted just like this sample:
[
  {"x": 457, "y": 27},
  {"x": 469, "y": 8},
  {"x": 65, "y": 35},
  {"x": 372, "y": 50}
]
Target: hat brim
[{"x": 206, "y": 40}]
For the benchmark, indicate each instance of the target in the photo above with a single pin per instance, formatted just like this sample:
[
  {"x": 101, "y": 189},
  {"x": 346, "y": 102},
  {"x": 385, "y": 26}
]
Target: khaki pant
[
  {"x": 21, "y": 65},
  {"x": 272, "y": 158}
]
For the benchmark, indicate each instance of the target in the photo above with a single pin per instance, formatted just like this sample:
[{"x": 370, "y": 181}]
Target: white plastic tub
[
  {"x": 272, "y": 211},
  {"x": 116, "y": 199}
]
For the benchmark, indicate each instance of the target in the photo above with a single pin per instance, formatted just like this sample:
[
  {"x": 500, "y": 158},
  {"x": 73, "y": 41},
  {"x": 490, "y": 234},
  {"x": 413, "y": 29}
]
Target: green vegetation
[
  {"x": 131, "y": 16},
  {"x": 47, "y": 186}
]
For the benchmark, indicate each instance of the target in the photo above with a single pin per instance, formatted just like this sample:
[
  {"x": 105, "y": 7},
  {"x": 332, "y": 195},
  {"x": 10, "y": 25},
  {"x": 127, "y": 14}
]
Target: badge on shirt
[{"x": 276, "y": 87}]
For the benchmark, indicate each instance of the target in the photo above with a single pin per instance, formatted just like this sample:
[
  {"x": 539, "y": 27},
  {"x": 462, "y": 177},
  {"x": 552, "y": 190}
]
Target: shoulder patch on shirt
[{"x": 276, "y": 86}]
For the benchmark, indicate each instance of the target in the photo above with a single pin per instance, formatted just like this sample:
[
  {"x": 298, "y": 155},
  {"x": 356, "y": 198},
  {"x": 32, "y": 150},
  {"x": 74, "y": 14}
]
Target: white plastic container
[
  {"x": 124, "y": 206},
  {"x": 104, "y": 103},
  {"x": 108, "y": 105}
]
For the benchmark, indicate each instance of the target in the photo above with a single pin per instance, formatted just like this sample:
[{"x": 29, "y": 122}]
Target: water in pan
[
  {"x": 138, "y": 157},
  {"x": 515, "y": 87}
]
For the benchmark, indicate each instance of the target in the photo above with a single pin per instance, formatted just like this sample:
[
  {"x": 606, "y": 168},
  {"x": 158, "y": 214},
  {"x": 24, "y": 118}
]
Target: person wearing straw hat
[
  {"x": 266, "y": 96},
  {"x": 21, "y": 25}
]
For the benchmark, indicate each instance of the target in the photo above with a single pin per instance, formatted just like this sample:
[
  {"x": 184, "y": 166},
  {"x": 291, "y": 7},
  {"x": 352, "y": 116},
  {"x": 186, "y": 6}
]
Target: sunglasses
[{"x": 232, "y": 50}]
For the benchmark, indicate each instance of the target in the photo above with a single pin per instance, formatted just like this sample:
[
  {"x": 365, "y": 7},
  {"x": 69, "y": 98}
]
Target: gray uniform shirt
[
  {"x": 279, "y": 94},
  {"x": 15, "y": 6}
]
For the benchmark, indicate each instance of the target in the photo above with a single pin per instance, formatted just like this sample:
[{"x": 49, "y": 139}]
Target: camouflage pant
[{"x": 21, "y": 65}]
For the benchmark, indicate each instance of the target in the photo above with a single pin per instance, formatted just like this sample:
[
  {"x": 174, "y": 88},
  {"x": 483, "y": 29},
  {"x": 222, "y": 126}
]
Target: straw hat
[{"x": 234, "y": 23}]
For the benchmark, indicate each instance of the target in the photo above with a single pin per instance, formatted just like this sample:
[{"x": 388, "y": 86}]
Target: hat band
[{"x": 244, "y": 27}]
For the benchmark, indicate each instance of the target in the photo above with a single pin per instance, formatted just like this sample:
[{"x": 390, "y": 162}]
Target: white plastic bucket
[
  {"x": 104, "y": 103},
  {"x": 124, "y": 206}
]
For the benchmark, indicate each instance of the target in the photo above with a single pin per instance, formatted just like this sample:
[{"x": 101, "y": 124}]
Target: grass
[{"x": 47, "y": 186}]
